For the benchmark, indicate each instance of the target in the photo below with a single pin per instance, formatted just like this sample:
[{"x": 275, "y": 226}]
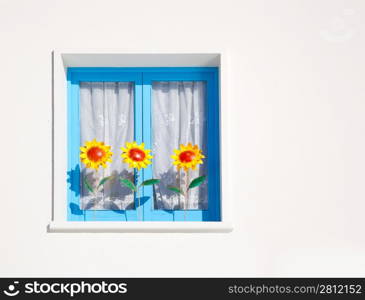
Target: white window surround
[{"x": 62, "y": 59}]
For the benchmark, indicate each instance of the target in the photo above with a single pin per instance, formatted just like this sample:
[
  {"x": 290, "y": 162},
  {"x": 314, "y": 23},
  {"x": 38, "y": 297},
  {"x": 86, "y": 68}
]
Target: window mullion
[
  {"x": 147, "y": 191},
  {"x": 138, "y": 136}
]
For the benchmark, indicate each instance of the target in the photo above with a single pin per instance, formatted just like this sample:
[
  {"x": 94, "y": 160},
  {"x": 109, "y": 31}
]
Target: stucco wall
[{"x": 296, "y": 79}]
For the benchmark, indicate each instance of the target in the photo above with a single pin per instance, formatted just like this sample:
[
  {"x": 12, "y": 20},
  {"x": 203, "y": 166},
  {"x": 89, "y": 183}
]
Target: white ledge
[{"x": 104, "y": 227}]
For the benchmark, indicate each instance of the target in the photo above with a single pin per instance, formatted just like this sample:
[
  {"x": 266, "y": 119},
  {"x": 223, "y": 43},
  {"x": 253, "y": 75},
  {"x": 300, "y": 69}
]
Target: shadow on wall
[
  {"x": 74, "y": 185},
  {"x": 75, "y": 209},
  {"x": 74, "y": 180}
]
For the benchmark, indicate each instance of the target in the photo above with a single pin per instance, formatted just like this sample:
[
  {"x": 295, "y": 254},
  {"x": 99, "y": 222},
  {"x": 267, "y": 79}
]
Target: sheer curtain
[
  {"x": 107, "y": 115},
  {"x": 178, "y": 117}
]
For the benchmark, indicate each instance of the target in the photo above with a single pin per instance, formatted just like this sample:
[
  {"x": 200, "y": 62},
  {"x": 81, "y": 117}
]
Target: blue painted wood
[
  {"x": 142, "y": 78},
  {"x": 77, "y": 76},
  {"x": 147, "y": 172},
  {"x": 138, "y": 136},
  {"x": 213, "y": 140},
  {"x": 74, "y": 212},
  {"x": 213, "y": 148}
]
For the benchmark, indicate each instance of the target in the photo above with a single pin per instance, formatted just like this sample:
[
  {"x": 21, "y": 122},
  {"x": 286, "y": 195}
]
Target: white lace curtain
[
  {"x": 178, "y": 117},
  {"x": 107, "y": 114}
]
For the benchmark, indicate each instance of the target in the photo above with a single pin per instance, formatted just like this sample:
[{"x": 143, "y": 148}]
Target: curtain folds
[
  {"x": 178, "y": 117},
  {"x": 107, "y": 114}
]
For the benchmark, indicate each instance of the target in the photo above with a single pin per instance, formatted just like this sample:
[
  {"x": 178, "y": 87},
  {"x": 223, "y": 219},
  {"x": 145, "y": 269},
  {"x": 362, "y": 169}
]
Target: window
[{"x": 160, "y": 107}]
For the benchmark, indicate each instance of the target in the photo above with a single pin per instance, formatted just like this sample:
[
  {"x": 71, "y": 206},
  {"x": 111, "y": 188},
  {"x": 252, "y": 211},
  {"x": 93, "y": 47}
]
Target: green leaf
[
  {"x": 175, "y": 189},
  {"x": 150, "y": 181},
  {"x": 129, "y": 184},
  {"x": 88, "y": 185},
  {"x": 196, "y": 182},
  {"x": 105, "y": 179}
]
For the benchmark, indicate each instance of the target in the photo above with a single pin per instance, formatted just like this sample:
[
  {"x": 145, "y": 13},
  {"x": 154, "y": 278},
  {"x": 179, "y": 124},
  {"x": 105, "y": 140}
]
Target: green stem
[
  {"x": 186, "y": 194},
  {"x": 139, "y": 204},
  {"x": 137, "y": 194}
]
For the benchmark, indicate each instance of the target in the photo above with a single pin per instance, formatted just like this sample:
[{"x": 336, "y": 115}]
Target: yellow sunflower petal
[
  {"x": 95, "y": 163},
  {"x": 129, "y": 158},
  {"x": 197, "y": 159}
]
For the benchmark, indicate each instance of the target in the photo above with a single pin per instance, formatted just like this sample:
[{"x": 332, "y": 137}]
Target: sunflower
[
  {"x": 136, "y": 155},
  {"x": 95, "y": 154},
  {"x": 187, "y": 157}
]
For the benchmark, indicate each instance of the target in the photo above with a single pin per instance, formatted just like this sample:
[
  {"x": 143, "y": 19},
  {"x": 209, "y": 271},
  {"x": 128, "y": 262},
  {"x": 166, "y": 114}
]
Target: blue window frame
[{"x": 142, "y": 79}]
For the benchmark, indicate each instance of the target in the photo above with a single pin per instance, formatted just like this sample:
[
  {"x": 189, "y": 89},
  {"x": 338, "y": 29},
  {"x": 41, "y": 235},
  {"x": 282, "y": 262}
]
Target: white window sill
[{"x": 105, "y": 227}]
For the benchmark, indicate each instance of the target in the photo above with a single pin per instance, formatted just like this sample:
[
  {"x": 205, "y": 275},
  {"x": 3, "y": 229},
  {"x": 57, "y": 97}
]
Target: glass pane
[
  {"x": 107, "y": 115},
  {"x": 178, "y": 117}
]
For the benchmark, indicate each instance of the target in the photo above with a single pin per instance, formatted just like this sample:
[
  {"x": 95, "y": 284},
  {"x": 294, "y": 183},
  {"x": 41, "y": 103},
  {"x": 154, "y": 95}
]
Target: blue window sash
[{"x": 142, "y": 79}]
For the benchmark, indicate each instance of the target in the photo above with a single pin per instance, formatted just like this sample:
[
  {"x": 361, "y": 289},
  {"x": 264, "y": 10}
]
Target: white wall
[{"x": 297, "y": 84}]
